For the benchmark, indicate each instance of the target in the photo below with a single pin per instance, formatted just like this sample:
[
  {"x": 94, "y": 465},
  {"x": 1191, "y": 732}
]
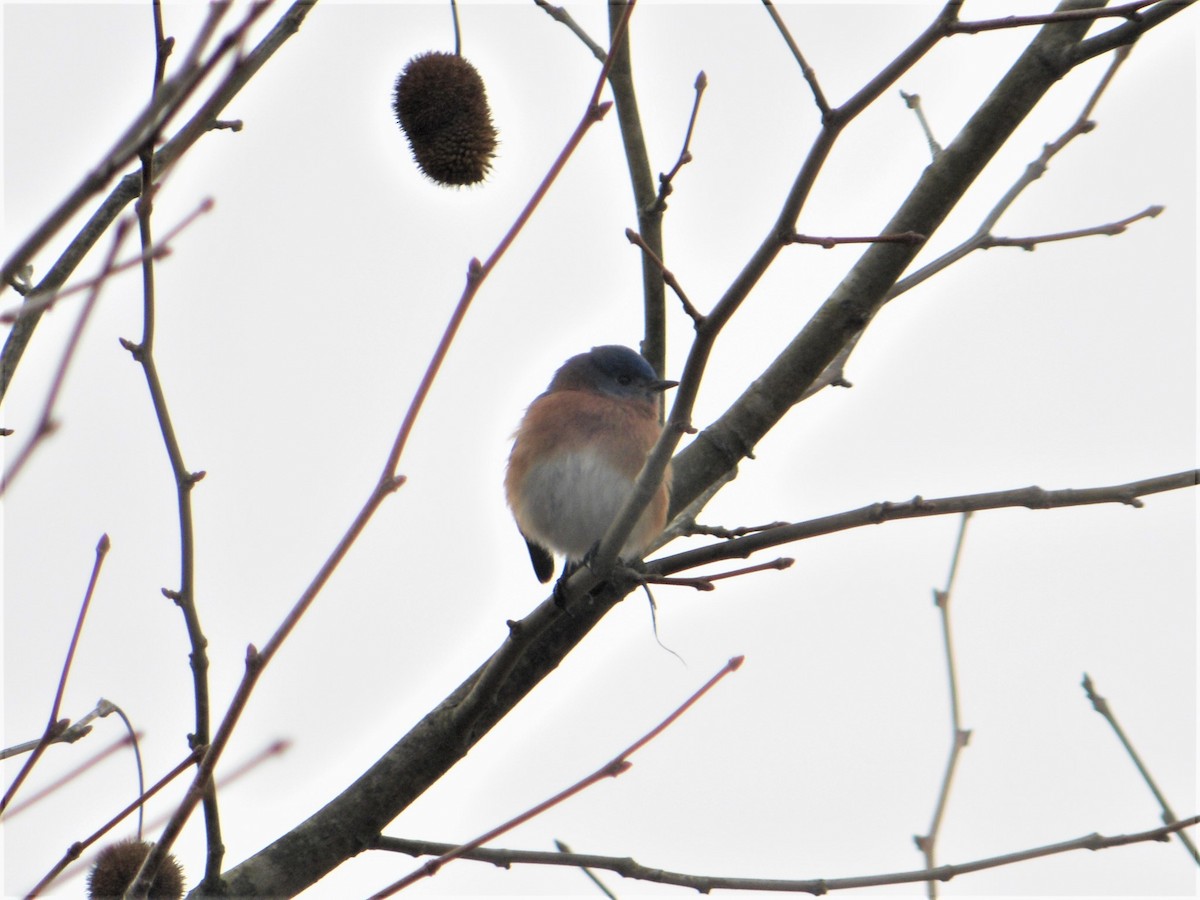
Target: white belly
[{"x": 570, "y": 501}]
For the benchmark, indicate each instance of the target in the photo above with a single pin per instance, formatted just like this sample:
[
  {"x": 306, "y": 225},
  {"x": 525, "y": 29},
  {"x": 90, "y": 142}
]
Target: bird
[{"x": 576, "y": 454}]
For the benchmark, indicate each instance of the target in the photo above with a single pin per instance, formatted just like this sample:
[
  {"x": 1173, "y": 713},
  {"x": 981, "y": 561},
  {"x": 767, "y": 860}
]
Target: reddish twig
[
  {"x": 232, "y": 776},
  {"x": 705, "y": 582},
  {"x": 618, "y": 765},
  {"x": 46, "y": 425},
  {"x": 559, "y": 14},
  {"x": 74, "y": 851},
  {"x": 54, "y": 725},
  {"x": 669, "y": 278},
  {"x": 38, "y": 302},
  {"x": 68, "y": 777},
  {"x": 184, "y": 596}
]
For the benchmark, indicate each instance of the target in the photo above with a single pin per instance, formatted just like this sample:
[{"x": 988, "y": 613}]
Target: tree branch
[
  {"x": 918, "y": 507},
  {"x": 129, "y": 187},
  {"x": 627, "y": 867}
]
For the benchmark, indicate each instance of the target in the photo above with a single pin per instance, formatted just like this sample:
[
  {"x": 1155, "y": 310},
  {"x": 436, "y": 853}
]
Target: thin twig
[
  {"x": 829, "y": 242},
  {"x": 185, "y": 479},
  {"x": 1082, "y": 124},
  {"x": 641, "y": 181},
  {"x": 229, "y": 777},
  {"x": 666, "y": 182},
  {"x": 53, "y": 724},
  {"x": 600, "y": 885},
  {"x": 705, "y": 582},
  {"x": 959, "y": 736},
  {"x": 1100, "y": 704},
  {"x": 233, "y": 775},
  {"x": 1031, "y": 241},
  {"x": 38, "y": 300},
  {"x": 913, "y": 102},
  {"x": 706, "y": 884},
  {"x": 559, "y": 14},
  {"x": 46, "y": 424},
  {"x": 17, "y": 808},
  {"x": 74, "y": 851},
  {"x": 810, "y": 74},
  {"x": 918, "y": 507},
  {"x": 618, "y": 765},
  {"x": 133, "y": 737},
  {"x": 723, "y": 532},
  {"x": 1125, "y": 10},
  {"x": 668, "y": 277}
]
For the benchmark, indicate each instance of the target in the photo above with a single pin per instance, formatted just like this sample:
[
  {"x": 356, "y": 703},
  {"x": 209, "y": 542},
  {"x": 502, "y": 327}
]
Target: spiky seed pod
[
  {"x": 441, "y": 105},
  {"x": 118, "y": 863}
]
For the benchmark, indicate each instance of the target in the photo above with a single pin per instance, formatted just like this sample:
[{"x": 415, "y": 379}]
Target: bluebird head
[{"x": 613, "y": 370}]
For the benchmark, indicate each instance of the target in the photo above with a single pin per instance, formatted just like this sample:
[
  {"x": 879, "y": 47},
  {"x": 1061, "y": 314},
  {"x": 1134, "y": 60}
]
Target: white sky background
[{"x": 295, "y": 320}]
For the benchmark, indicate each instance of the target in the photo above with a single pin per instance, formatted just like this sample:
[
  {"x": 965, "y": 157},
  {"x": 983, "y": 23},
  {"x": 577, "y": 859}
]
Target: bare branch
[
  {"x": 645, "y": 196},
  {"x": 185, "y": 479},
  {"x": 559, "y": 14},
  {"x": 959, "y": 737},
  {"x": 1030, "y": 242},
  {"x": 668, "y": 277},
  {"x": 705, "y": 884},
  {"x": 54, "y": 726},
  {"x": 809, "y": 73},
  {"x": 829, "y": 242},
  {"x": 37, "y": 301},
  {"x": 918, "y": 507},
  {"x": 45, "y": 424},
  {"x": 74, "y": 851},
  {"x": 1130, "y": 11},
  {"x": 1126, "y": 34},
  {"x": 913, "y": 102},
  {"x": 1100, "y": 704},
  {"x": 18, "y": 808},
  {"x": 600, "y": 886},
  {"x": 871, "y": 282},
  {"x": 705, "y": 582},
  {"x": 666, "y": 182}
]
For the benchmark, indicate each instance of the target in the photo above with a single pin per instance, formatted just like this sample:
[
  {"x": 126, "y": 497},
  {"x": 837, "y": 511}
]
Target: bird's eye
[{"x": 624, "y": 379}]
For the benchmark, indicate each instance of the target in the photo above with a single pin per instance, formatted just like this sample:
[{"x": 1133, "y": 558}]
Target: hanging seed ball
[
  {"x": 117, "y": 865},
  {"x": 441, "y": 105}
]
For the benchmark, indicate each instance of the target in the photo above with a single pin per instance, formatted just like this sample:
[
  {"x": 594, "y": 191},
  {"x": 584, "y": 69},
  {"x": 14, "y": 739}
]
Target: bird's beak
[{"x": 660, "y": 386}]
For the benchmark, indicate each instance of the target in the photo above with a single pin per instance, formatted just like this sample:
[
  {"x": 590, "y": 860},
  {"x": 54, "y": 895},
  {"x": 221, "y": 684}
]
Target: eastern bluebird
[{"x": 577, "y": 452}]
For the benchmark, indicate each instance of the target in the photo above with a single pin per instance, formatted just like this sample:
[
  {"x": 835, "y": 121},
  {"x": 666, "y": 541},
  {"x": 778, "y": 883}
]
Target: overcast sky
[{"x": 295, "y": 320}]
